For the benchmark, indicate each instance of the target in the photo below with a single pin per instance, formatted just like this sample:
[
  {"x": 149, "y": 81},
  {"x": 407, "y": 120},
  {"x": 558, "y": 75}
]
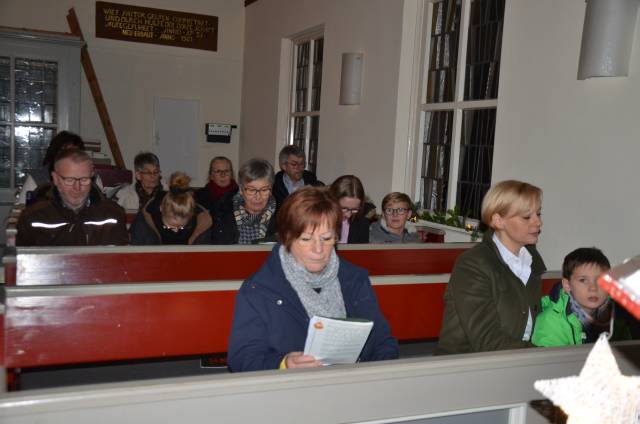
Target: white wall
[
  {"x": 353, "y": 139},
  {"x": 578, "y": 140},
  {"x": 131, "y": 74}
]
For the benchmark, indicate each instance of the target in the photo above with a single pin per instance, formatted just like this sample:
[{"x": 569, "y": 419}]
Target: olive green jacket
[{"x": 486, "y": 304}]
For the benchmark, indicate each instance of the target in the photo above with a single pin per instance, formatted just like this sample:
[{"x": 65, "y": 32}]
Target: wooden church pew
[{"x": 68, "y": 306}]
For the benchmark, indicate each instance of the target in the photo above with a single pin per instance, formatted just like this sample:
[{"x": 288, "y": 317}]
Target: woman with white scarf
[{"x": 303, "y": 277}]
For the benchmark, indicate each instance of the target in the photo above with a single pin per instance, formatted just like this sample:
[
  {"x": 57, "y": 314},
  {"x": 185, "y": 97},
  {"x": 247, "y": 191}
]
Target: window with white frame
[
  {"x": 458, "y": 103},
  {"x": 30, "y": 121},
  {"x": 304, "y": 116},
  {"x": 39, "y": 95}
]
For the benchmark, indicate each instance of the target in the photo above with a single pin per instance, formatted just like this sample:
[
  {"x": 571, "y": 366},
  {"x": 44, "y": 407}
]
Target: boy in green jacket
[{"x": 577, "y": 310}]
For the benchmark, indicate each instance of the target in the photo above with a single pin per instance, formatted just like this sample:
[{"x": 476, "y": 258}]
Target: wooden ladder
[{"x": 87, "y": 65}]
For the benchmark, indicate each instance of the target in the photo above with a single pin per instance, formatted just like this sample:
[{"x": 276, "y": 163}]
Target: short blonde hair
[
  {"x": 505, "y": 195},
  {"x": 396, "y": 196}
]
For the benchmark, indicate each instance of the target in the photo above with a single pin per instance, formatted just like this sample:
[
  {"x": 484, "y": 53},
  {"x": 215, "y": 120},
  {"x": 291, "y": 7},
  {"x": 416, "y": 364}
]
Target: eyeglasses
[
  {"x": 221, "y": 171},
  {"x": 353, "y": 211},
  {"x": 255, "y": 191},
  {"x": 151, "y": 173},
  {"x": 70, "y": 181},
  {"x": 395, "y": 211},
  {"x": 295, "y": 164}
]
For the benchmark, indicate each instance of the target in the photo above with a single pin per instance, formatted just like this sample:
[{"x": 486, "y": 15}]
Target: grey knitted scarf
[{"x": 327, "y": 303}]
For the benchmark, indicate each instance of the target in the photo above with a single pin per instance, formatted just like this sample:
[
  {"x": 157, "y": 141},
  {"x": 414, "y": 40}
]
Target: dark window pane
[
  {"x": 5, "y": 156},
  {"x": 483, "y": 49},
  {"x": 317, "y": 74},
  {"x": 5, "y": 86},
  {"x": 476, "y": 159},
  {"x": 436, "y": 159},
  {"x": 443, "y": 56},
  {"x": 302, "y": 76},
  {"x": 313, "y": 144},
  {"x": 299, "y": 131},
  {"x": 307, "y": 90}
]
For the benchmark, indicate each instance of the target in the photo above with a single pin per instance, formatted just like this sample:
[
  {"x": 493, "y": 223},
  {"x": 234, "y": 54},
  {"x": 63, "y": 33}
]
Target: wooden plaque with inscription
[{"x": 156, "y": 26}]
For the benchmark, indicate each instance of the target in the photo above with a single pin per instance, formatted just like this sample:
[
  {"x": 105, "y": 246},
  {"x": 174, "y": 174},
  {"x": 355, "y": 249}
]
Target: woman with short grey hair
[
  {"x": 247, "y": 216},
  {"x": 255, "y": 169}
]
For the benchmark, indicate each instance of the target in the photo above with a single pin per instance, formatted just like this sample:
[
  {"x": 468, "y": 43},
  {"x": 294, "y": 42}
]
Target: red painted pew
[{"x": 76, "y": 306}]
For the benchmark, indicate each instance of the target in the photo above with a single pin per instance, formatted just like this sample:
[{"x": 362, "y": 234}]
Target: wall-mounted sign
[{"x": 156, "y": 26}]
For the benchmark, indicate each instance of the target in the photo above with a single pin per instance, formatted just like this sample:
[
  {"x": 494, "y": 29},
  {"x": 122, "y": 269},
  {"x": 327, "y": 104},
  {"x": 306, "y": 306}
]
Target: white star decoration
[{"x": 599, "y": 394}]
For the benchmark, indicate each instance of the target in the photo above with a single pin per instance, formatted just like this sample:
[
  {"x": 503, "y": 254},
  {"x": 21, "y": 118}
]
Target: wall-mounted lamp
[
  {"x": 351, "y": 79},
  {"x": 607, "y": 37}
]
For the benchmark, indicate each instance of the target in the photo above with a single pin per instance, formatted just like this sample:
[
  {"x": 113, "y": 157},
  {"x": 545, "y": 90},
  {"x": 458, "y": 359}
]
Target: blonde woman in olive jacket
[{"x": 493, "y": 296}]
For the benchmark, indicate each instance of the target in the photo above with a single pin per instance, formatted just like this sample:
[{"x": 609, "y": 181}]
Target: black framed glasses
[
  {"x": 395, "y": 211},
  {"x": 70, "y": 181},
  {"x": 251, "y": 191}
]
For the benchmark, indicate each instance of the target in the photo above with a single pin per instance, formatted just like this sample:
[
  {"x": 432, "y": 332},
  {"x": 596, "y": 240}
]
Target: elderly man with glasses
[
  {"x": 74, "y": 211},
  {"x": 292, "y": 175},
  {"x": 133, "y": 197}
]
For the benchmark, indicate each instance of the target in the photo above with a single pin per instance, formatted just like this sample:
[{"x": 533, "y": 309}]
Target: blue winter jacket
[{"x": 269, "y": 320}]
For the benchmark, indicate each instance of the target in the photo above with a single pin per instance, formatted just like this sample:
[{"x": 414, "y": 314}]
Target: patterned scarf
[
  {"x": 326, "y": 302},
  {"x": 143, "y": 196},
  {"x": 252, "y": 227},
  {"x": 600, "y": 319}
]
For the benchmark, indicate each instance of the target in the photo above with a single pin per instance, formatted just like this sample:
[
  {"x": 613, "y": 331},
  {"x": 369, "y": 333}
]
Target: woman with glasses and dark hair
[
  {"x": 301, "y": 278},
  {"x": 221, "y": 182},
  {"x": 148, "y": 175},
  {"x": 349, "y": 193},
  {"x": 247, "y": 216},
  {"x": 396, "y": 210},
  {"x": 172, "y": 217}
]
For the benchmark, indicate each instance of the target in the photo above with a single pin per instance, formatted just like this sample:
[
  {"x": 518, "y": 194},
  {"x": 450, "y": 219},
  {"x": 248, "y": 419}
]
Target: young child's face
[
  {"x": 584, "y": 287},
  {"x": 395, "y": 216}
]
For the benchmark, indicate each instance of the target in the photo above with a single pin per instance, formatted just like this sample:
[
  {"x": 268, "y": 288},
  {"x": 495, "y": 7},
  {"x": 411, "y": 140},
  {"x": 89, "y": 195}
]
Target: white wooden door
[{"x": 176, "y": 131}]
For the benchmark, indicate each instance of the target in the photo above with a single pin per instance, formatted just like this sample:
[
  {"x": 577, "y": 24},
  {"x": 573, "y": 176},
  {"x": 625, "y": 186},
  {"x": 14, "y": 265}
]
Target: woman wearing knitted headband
[{"x": 172, "y": 217}]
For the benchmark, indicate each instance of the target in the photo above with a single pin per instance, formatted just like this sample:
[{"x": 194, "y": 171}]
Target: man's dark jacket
[
  {"x": 49, "y": 223},
  {"x": 280, "y": 191}
]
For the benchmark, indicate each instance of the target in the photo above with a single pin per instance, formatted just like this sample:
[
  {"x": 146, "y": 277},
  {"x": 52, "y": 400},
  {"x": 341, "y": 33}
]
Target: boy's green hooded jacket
[{"x": 557, "y": 325}]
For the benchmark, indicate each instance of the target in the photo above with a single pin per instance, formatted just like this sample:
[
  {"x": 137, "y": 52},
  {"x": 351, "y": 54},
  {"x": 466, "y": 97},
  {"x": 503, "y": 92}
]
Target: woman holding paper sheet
[{"x": 303, "y": 277}]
